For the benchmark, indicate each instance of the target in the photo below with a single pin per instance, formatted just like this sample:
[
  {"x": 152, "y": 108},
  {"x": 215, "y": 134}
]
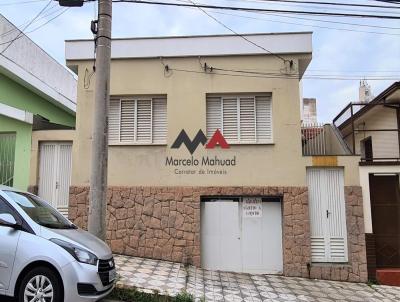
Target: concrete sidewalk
[{"x": 170, "y": 278}]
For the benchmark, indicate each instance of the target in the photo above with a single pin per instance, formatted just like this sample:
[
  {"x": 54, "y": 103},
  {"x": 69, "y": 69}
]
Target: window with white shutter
[
  {"x": 241, "y": 119},
  {"x": 327, "y": 215},
  {"x": 138, "y": 121}
]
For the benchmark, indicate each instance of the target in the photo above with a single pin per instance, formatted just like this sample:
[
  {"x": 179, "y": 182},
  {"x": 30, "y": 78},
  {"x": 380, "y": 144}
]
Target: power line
[
  {"x": 327, "y": 3},
  {"x": 242, "y": 36},
  {"x": 301, "y": 4},
  {"x": 328, "y": 21},
  {"x": 295, "y": 77},
  {"x": 308, "y": 25},
  {"x": 20, "y": 3},
  {"x": 388, "y": 1},
  {"x": 16, "y": 28},
  {"x": 22, "y": 31},
  {"x": 252, "y": 9},
  {"x": 308, "y": 19},
  {"x": 40, "y": 26}
]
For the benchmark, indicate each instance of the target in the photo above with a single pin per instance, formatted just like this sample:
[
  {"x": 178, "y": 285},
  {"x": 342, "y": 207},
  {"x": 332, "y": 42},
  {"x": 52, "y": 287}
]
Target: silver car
[{"x": 44, "y": 257}]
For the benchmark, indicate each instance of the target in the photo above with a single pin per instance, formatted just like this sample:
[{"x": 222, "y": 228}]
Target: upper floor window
[
  {"x": 138, "y": 120},
  {"x": 242, "y": 119}
]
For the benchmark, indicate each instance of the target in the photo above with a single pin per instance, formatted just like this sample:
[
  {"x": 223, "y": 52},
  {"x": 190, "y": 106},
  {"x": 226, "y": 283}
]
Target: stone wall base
[{"x": 164, "y": 223}]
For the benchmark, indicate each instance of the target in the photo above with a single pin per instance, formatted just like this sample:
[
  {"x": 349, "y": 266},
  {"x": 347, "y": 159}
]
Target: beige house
[
  {"x": 371, "y": 130},
  {"x": 206, "y": 164}
]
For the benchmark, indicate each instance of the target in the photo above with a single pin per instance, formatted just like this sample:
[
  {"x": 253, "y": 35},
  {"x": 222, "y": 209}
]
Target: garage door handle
[{"x": 327, "y": 213}]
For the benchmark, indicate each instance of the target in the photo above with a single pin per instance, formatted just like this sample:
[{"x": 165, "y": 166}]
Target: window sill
[
  {"x": 251, "y": 144},
  {"x": 324, "y": 264}
]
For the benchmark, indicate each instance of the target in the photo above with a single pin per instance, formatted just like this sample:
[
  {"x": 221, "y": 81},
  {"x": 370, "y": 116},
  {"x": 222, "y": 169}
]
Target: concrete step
[{"x": 388, "y": 276}]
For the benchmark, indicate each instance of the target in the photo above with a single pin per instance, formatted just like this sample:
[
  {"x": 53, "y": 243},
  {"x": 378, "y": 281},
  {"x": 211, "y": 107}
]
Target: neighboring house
[
  {"x": 36, "y": 93},
  {"x": 309, "y": 113},
  {"x": 371, "y": 131},
  {"x": 246, "y": 201}
]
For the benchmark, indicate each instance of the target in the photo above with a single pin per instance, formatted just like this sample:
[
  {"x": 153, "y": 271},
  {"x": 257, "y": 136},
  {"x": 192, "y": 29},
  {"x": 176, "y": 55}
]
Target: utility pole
[{"x": 99, "y": 160}]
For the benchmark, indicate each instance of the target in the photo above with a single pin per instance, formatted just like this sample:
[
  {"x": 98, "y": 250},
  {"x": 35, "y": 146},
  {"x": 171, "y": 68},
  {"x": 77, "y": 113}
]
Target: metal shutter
[
  {"x": 247, "y": 120},
  {"x": 213, "y": 115},
  {"x": 264, "y": 119},
  {"x": 127, "y": 124},
  {"x": 144, "y": 121},
  {"x": 327, "y": 215},
  {"x": 230, "y": 121},
  {"x": 159, "y": 120},
  {"x": 114, "y": 121}
]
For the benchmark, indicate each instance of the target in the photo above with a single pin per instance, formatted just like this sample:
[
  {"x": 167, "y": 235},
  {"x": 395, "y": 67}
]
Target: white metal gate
[
  {"x": 7, "y": 158},
  {"x": 55, "y": 174},
  {"x": 235, "y": 239},
  {"x": 327, "y": 215}
]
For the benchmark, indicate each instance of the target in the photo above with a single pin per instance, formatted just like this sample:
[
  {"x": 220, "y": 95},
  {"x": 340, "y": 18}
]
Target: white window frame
[
  {"x": 135, "y": 142},
  {"x": 238, "y": 97}
]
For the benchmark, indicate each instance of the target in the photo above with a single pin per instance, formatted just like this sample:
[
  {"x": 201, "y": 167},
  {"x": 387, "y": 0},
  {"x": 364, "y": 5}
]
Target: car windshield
[{"x": 40, "y": 211}]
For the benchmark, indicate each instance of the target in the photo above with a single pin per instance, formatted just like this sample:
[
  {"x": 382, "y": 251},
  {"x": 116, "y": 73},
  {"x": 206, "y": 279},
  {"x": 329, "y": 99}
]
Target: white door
[
  {"x": 236, "y": 238},
  {"x": 262, "y": 239},
  {"x": 55, "y": 174},
  {"x": 327, "y": 215},
  {"x": 220, "y": 235}
]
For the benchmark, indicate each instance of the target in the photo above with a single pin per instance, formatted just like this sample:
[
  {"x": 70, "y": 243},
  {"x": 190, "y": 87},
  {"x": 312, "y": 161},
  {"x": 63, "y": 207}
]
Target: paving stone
[{"x": 170, "y": 278}]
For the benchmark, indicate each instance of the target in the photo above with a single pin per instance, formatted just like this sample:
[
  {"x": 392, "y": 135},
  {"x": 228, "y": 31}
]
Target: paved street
[{"x": 171, "y": 278}]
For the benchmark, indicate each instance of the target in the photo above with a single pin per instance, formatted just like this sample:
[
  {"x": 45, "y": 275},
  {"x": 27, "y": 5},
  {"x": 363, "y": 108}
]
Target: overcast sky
[{"x": 335, "y": 52}]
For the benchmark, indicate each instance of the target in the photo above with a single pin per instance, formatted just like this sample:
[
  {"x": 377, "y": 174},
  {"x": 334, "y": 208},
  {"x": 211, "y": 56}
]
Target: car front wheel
[{"x": 40, "y": 285}]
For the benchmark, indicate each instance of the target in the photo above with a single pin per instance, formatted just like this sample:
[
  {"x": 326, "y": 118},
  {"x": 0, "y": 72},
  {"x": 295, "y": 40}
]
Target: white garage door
[{"x": 242, "y": 235}]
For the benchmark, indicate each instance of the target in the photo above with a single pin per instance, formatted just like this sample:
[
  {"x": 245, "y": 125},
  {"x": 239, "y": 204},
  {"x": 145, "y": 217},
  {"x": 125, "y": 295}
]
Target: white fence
[
  {"x": 7, "y": 156},
  {"x": 313, "y": 139}
]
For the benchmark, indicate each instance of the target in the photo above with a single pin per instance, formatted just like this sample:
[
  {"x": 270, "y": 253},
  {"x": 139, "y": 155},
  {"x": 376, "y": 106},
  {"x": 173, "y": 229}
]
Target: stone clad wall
[{"x": 164, "y": 223}]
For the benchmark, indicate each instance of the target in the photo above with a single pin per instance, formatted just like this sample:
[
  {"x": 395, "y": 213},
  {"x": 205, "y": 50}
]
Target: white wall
[{"x": 35, "y": 67}]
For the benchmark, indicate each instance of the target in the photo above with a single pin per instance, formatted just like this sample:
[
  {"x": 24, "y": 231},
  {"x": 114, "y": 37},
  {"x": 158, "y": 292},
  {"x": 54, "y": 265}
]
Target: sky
[{"x": 353, "y": 51}]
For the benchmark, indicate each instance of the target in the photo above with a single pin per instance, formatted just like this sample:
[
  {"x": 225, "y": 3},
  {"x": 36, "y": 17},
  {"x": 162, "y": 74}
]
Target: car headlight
[{"x": 78, "y": 253}]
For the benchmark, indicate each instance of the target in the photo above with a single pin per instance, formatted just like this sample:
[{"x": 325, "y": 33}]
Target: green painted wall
[
  {"x": 22, "y": 149},
  {"x": 16, "y": 95}
]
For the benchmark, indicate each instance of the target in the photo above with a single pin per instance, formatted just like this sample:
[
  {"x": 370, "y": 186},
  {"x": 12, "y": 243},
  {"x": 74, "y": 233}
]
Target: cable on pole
[{"x": 253, "y": 9}]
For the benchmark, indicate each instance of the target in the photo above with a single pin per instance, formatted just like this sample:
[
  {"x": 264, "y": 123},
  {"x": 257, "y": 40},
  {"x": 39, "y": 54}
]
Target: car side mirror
[{"x": 8, "y": 220}]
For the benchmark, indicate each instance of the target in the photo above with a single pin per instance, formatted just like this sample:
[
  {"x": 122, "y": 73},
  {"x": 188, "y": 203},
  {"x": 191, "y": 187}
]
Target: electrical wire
[
  {"x": 325, "y": 3},
  {"x": 63, "y": 10},
  {"x": 16, "y": 28},
  {"x": 327, "y": 21},
  {"x": 252, "y": 9},
  {"x": 295, "y": 77},
  {"x": 383, "y": 10},
  {"x": 22, "y": 31},
  {"x": 242, "y": 36},
  {"x": 309, "y": 19},
  {"x": 20, "y": 3},
  {"x": 388, "y": 1},
  {"x": 307, "y": 25}
]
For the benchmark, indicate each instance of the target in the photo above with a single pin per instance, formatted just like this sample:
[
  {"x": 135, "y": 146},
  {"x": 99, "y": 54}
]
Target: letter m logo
[
  {"x": 183, "y": 138},
  {"x": 200, "y": 138}
]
